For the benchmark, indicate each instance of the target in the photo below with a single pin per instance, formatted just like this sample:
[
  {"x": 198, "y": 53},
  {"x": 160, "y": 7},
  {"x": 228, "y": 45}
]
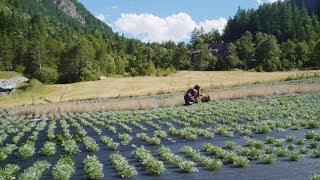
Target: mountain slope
[
  {"x": 281, "y": 19},
  {"x": 69, "y": 12},
  {"x": 61, "y": 41}
]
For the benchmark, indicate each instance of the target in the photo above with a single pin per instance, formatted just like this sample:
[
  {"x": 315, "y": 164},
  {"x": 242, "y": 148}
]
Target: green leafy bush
[
  {"x": 110, "y": 143},
  {"x": 48, "y": 149},
  {"x": 122, "y": 166},
  {"x": 125, "y": 139},
  {"x": 64, "y": 168},
  {"x": 294, "y": 156},
  {"x": 27, "y": 150},
  {"x": 184, "y": 165},
  {"x": 268, "y": 158},
  {"x": 9, "y": 171},
  {"x": 90, "y": 144},
  {"x": 35, "y": 171},
  {"x": 93, "y": 167},
  {"x": 152, "y": 165}
]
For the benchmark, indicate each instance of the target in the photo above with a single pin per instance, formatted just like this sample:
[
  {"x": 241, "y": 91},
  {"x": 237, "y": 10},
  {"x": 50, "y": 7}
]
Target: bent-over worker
[{"x": 192, "y": 95}]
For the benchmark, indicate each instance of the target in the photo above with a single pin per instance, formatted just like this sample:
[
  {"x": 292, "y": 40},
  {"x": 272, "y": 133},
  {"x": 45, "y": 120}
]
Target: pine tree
[
  {"x": 6, "y": 54},
  {"x": 289, "y": 56}
]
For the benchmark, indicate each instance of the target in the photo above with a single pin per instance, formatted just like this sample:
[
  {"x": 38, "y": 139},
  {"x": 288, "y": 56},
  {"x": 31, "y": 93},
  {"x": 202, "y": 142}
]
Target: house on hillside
[{"x": 218, "y": 48}]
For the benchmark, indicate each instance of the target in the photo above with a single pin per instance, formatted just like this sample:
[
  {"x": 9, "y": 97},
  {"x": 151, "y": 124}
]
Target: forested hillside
[
  {"x": 313, "y": 6},
  {"x": 277, "y": 36},
  {"x": 59, "y": 41}
]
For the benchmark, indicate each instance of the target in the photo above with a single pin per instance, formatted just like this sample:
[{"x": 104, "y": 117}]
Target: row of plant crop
[{"x": 188, "y": 132}]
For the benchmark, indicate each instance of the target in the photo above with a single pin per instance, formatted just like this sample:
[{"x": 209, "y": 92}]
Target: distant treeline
[{"x": 39, "y": 40}]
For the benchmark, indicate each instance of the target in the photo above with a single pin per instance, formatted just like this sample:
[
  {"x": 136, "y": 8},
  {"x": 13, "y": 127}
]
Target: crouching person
[{"x": 192, "y": 95}]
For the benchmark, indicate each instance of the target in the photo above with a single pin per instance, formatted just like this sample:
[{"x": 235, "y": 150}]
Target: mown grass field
[{"x": 133, "y": 86}]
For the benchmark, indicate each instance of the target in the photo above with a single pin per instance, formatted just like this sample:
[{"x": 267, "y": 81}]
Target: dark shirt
[{"x": 190, "y": 95}]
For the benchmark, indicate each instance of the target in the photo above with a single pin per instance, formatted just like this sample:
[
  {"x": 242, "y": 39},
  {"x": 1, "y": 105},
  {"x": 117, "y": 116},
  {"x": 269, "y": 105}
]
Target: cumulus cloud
[
  {"x": 218, "y": 24},
  {"x": 101, "y": 17},
  {"x": 151, "y": 28},
  {"x": 268, "y": 1}
]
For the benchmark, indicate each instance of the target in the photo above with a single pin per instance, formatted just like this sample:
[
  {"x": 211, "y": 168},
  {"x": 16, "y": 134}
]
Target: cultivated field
[
  {"x": 121, "y": 87},
  {"x": 260, "y": 131},
  {"x": 275, "y": 137}
]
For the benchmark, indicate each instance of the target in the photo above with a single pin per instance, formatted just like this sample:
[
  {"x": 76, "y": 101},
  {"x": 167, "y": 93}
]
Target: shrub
[
  {"x": 59, "y": 138},
  {"x": 294, "y": 156},
  {"x": 6, "y": 151},
  {"x": 268, "y": 158},
  {"x": 110, "y": 143},
  {"x": 315, "y": 177},
  {"x": 317, "y": 137},
  {"x": 254, "y": 143},
  {"x": 303, "y": 150},
  {"x": 35, "y": 171},
  {"x": 291, "y": 147},
  {"x": 184, "y": 165},
  {"x": 9, "y": 171},
  {"x": 160, "y": 133},
  {"x": 289, "y": 138},
  {"x": 125, "y": 127},
  {"x": 93, "y": 167},
  {"x": 296, "y": 127},
  {"x": 152, "y": 165},
  {"x": 136, "y": 124},
  {"x": 230, "y": 144},
  {"x": 264, "y": 129},
  {"x": 27, "y": 150},
  {"x": 316, "y": 153},
  {"x": 154, "y": 140},
  {"x": 90, "y": 144},
  {"x": 270, "y": 140},
  {"x": 268, "y": 150},
  {"x": 241, "y": 161},
  {"x": 122, "y": 166},
  {"x": 246, "y": 132},
  {"x": 51, "y": 128},
  {"x": 203, "y": 160},
  {"x": 281, "y": 152},
  {"x": 47, "y": 75},
  {"x": 230, "y": 156},
  {"x": 64, "y": 168},
  {"x": 313, "y": 124},
  {"x": 279, "y": 143},
  {"x": 301, "y": 141},
  {"x": 125, "y": 139},
  {"x": 112, "y": 128},
  {"x": 314, "y": 144},
  {"x": 48, "y": 149},
  {"x": 3, "y": 137},
  {"x": 310, "y": 135},
  {"x": 71, "y": 146}
]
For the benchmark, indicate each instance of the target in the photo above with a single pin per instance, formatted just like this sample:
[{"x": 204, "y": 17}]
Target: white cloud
[
  {"x": 101, "y": 17},
  {"x": 151, "y": 28},
  {"x": 218, "y": 24},
  {"x": 268, "y": 1}
]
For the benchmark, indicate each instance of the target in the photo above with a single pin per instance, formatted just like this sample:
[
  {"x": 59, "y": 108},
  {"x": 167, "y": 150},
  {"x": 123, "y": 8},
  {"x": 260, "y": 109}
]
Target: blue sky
[{"x": 163, "y": 20}]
